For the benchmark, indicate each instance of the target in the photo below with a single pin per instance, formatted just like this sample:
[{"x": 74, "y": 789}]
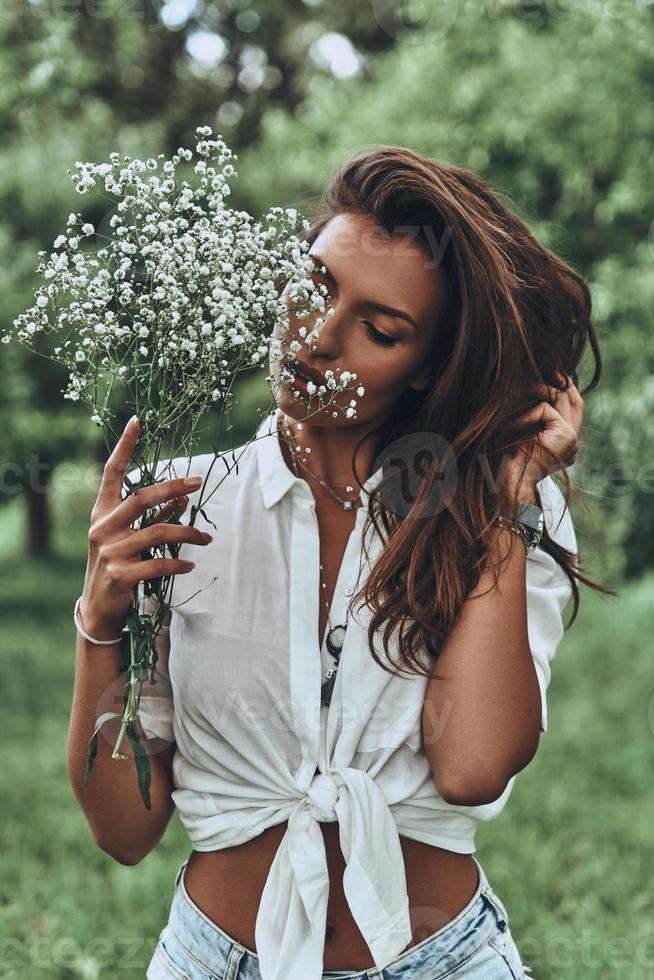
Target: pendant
[
  {"x": 327, "y": 687},
  {"x": 348, "y": 505},
  {"x": 335, "y": 640}
]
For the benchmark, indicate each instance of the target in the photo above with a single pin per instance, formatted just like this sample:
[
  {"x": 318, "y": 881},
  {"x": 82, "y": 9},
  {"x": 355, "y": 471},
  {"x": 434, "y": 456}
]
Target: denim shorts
[{"x": 474, "y": 945}]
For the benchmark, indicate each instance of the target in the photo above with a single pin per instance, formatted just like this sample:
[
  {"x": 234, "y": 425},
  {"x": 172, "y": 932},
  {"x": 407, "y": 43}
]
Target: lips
[{"x": 309, "y": 374}]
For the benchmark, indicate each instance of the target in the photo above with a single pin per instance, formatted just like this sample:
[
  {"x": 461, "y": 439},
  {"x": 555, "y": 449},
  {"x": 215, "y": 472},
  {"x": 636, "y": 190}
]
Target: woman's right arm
[{"x": 111, "y": 802}]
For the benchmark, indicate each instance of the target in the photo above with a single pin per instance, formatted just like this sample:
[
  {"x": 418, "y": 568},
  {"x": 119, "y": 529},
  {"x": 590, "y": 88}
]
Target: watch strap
[{"x": 527, "y": 521}]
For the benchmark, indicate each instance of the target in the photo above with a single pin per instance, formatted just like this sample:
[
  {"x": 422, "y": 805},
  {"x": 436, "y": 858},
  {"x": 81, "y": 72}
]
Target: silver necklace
[
  {"x": 344, "y": 502},
  {"x": 335, "y": 637}
]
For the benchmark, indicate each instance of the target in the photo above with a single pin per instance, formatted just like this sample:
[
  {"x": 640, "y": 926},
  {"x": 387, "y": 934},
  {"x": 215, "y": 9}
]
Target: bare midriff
[{"x": 227, "y": 885}]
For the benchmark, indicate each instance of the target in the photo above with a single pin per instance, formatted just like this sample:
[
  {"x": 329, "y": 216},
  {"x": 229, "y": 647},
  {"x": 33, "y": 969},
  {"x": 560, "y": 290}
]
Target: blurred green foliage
[{"x": 550, "y": 103}]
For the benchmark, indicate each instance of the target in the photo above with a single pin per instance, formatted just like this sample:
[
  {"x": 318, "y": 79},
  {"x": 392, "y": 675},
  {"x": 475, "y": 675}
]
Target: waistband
[{"x": 446, "y": 947}]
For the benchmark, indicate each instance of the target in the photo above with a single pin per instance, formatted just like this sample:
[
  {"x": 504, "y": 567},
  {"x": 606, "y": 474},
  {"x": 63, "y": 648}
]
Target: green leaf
[
  {"x": 142, "y": 760},
  {"x": 93, "y": 742},
  {"x": 93, "y": 751},
  {"x": 200, "y": 510},
  {"x": 207, "y": 519}
]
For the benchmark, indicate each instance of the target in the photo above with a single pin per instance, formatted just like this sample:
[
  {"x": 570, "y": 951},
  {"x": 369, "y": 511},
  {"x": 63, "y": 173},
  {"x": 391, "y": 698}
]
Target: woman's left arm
[{"x": 481, "y": 721}]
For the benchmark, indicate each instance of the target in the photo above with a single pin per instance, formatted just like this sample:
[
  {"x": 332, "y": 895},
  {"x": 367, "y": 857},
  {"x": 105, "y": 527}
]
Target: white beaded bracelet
[{"x": 80, "y": 628}]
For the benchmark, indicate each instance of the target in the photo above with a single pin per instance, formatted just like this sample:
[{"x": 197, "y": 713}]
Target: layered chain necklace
[
  {"x": 335, "y": 634},
  {"x": 346, "y": 504}
]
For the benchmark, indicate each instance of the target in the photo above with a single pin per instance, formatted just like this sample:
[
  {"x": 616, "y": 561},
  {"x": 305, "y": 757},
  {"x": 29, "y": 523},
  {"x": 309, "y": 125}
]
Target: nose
[{"x": 325, "y": 337}]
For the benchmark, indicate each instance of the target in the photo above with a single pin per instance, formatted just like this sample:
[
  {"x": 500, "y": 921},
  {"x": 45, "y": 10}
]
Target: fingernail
[
  {"x": 131, "y": 422},
  {"x": 192, "y": 481}
]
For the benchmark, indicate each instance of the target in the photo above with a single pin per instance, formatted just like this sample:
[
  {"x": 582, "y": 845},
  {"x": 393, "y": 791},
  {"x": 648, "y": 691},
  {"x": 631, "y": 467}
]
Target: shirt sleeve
[
  {"x": 548, "y": 588},
  {"x": 156, "y": 706}
]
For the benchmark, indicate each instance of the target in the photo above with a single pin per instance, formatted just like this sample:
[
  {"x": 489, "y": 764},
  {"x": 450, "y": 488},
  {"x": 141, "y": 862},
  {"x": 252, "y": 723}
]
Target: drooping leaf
[
  {"x": 93, "y": 742},
  {"x": 143, "y": 768}
]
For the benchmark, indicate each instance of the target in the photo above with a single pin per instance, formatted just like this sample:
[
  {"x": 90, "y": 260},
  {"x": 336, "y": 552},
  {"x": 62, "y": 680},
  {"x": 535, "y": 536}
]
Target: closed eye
[{"x": 378, "y": 336}]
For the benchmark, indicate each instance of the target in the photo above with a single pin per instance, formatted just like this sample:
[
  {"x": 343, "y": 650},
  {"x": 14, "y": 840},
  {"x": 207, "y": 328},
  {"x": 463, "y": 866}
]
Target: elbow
[
  {"x": 122, "y": 856},
  {"x": 472, "y": 786},
  {"x": 471, "y": 791}
]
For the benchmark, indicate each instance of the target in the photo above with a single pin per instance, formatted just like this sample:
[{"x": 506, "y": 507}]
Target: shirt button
[{"x": 349, "y": 592}]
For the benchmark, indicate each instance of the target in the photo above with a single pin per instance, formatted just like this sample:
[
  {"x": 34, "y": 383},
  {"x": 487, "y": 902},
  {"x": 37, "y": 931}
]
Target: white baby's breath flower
[{"x": 181, "y": 298}]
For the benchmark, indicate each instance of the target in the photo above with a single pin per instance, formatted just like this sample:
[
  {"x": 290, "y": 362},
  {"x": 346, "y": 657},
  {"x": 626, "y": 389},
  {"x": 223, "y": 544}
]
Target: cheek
[{"x": 386, "y": 368}]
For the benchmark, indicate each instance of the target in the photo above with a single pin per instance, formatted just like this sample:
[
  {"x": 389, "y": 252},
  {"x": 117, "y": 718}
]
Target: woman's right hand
[{"x": 114, "y": 564}]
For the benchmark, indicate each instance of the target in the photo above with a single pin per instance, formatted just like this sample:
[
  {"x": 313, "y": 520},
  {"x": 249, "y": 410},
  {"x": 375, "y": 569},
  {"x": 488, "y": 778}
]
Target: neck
[{"x": 332, "y": 451}]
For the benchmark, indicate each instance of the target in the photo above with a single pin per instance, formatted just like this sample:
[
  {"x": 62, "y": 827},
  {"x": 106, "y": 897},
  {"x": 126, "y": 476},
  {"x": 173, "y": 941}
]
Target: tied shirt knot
[{"x": 322, "y": 797}]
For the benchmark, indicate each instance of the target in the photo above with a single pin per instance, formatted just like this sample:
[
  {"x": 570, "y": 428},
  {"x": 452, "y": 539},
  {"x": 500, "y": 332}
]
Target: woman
[{"x": 331, "y": 783}]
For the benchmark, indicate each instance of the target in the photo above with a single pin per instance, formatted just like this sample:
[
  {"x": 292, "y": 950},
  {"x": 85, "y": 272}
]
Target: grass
[{"x": 568, "y": 855}]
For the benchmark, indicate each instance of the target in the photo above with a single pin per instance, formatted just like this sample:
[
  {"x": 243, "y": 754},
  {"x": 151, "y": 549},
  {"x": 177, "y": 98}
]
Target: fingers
[
  {"x": 174, "y": 509},
  {"x": 155, "y": 535},
  {"x": 114, "y": 469},
  {"x": 543, "y": 412},
  {"x": 151, "y": 568},
  {"x": 133, "y": 507},
  {"x": 568, "y": 402}
]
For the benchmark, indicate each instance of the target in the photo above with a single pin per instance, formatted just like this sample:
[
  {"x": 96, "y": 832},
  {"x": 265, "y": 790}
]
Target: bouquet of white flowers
[{"x": 184, "y": 295}]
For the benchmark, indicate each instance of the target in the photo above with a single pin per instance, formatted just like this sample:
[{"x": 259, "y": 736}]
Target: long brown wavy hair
[{"x": 514, "y": 314}]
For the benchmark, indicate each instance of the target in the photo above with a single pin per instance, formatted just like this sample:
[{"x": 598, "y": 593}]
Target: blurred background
[{"x": 551, "y": 102}]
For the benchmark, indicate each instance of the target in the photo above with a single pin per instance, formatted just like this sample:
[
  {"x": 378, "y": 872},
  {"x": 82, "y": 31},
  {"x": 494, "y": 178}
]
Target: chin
[{"x": 301, "y": 405}]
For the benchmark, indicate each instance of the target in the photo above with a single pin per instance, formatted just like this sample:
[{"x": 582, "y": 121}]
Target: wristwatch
[{"x": 527, "y": 521}]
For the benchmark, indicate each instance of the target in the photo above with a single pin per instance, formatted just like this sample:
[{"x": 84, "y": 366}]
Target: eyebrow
[{"x": 400, "y": 314}]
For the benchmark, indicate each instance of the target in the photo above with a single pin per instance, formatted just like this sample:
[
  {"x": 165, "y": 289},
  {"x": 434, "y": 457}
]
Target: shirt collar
[{"x": 275, "y": 477}]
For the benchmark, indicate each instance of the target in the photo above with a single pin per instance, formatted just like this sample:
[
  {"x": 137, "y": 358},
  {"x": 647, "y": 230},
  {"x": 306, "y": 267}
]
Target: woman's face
[{"x": 388, "y": 349}]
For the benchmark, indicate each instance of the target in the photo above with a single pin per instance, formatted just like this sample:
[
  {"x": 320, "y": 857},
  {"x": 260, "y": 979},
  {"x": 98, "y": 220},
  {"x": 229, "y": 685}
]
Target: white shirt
[{"x": 245, "y": 668}]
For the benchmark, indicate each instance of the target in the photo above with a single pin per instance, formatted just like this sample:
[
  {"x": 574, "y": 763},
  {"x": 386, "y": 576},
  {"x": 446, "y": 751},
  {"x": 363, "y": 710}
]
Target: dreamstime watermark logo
[
  {"x": 587, "y": 949},
  {"x": 43, "y": 476},
  {"x": 156, "y": 710},
  {"x": 417, "y": 21},
  {"x": 409, "y": 461},
  {"x": 377, "y": 242},
  {"x": 422, "y": 457},
  {"x": 369, "y": 723},
  {"x": 426, "y": 21},
  {"x": 68, "y": 953},
  {"x": 155, "y": 14}
]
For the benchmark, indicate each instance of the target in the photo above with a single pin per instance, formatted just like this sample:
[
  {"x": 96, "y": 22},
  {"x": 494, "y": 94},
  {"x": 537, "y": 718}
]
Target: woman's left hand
[{"x": 562, "y": 423}]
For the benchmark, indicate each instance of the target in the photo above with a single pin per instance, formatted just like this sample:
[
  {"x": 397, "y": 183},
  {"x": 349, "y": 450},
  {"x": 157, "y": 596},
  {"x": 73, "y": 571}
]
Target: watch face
[{"x": 531, "y": 515}]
